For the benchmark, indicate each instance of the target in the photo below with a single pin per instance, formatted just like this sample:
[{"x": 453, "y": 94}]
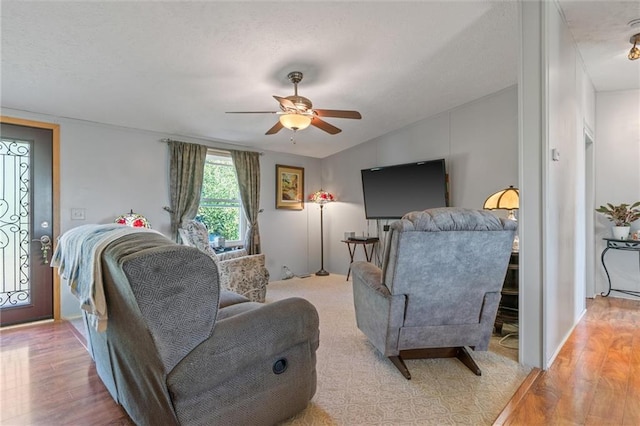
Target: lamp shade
[
  {"x": 134, "y": 220},
  {"x": 295, "y": 121},
  {"x": 321, "y": 197},
  {"x": 507, "y": 199}
]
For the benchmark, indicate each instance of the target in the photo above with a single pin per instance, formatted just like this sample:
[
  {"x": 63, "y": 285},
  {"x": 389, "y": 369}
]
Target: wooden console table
[
  {"x": 353, "y": 243},
  {"x": 508, "y": 308},
  {"x": 626, "y": 245}
]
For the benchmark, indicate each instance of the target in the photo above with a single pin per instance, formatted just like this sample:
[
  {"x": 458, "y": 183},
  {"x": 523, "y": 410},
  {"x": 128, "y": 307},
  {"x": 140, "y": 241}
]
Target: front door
[{"x": 26, "y": 224}]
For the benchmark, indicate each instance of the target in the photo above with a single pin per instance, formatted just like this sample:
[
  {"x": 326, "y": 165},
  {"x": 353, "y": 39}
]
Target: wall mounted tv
[{"x": 392, "y": 191}]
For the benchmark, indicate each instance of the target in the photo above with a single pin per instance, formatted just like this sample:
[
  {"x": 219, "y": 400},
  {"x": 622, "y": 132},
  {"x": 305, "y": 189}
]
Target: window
[{"x": 220, "y": 206}]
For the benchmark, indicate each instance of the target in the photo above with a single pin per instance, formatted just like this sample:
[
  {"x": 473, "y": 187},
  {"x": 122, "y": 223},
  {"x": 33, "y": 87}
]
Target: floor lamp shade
[{"x": 321, "y": 197}]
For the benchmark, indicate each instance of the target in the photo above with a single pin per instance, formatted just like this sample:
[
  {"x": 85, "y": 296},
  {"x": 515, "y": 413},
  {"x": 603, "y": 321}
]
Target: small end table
[
  {"x": 626, "y": 245},
  {"x": 365, "y": 243}
]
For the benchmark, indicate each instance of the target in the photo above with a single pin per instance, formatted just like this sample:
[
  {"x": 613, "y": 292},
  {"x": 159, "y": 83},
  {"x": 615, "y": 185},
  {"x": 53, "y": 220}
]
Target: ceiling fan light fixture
[
  {"x": 295, "y": 121},
  {"x": 296, "y": 112},
  {"x": 634, "y": 53}
]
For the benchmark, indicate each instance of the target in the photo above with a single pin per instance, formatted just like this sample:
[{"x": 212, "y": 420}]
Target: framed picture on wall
[{"x": 289, "y": 187}]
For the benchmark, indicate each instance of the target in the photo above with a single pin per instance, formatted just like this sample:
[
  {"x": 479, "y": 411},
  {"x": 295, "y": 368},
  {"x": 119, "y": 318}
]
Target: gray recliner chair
[
  {"x": 179, "y": 350},
  {"x": 439, "y": 287}
]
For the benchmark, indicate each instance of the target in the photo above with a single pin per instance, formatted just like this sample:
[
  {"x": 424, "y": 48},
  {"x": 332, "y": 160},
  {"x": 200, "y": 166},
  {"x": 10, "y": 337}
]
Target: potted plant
[{"x": 622, "y": 216}]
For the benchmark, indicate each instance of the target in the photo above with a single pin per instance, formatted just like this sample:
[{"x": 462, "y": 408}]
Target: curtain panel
[
  {"x": 247, "y": 165},
  {"x": 186, "y": 171}
]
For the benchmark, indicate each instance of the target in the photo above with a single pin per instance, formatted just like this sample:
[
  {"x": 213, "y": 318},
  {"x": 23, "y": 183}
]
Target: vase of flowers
[{"x": 622, "y": 216}]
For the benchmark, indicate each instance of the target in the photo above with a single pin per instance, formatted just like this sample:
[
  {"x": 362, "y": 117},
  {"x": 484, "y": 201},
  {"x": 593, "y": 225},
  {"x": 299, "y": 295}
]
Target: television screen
[{"x": 391, "y": 192}]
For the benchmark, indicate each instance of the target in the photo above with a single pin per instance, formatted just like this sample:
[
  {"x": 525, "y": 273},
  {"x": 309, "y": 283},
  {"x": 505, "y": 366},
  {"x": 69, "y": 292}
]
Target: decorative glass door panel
[
  {"x": 15, "y": 244},
  {"x": 26, "y": 213}
]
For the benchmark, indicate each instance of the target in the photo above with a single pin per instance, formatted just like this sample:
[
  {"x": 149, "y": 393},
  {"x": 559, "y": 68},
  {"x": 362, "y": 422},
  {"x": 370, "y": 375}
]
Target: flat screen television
[{"x": 392, "y": 191}]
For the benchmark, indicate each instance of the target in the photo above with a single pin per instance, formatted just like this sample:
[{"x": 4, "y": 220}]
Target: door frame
[
  {"x": 55, "y": 129},
  {"x": 589, "y": 147}
]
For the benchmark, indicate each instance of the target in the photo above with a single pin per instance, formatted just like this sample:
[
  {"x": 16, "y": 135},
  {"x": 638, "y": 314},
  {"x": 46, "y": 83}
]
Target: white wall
[
  {"x": 478, "y": 142},
  {"x": 556, "y": 105},
  {"x": 288, "y": 235},
  {"x": 561, "y": 190},
  {"x": 568, "y": 94},
  {"x": 109, "y": 170},
  {"x": 617, "y": 171}
]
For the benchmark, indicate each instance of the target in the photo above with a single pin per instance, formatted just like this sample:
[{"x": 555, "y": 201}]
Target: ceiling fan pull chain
[{"x": 293, "y": 137}]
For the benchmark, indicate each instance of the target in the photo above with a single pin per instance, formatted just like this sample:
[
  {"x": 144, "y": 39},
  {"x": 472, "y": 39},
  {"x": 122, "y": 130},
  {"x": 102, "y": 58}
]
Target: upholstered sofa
[
  {"x": 239, "y": 272},
  {"x": 179, "y": 351},
  {"x": 439, "y": 287}
]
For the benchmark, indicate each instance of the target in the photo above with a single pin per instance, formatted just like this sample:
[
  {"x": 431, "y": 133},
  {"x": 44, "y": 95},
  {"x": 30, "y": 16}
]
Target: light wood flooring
[
  {"x": 48, "y": 378},
  {"x": 595, "y": 380}
]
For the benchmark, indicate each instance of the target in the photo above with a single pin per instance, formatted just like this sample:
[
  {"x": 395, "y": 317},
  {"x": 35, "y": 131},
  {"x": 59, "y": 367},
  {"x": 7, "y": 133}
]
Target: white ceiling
[
  {"x": 600, "y": 30},
  {"x": 176, "y": 67}
]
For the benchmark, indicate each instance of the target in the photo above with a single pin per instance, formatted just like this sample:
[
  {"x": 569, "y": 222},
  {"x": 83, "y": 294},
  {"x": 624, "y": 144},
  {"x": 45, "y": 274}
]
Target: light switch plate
[{"x": 77, "y": 214}]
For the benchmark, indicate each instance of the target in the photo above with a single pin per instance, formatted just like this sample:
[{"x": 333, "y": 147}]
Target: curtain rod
[{"x": 167, "y": 140}]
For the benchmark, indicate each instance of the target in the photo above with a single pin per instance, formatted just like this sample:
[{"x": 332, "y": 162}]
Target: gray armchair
[
  {"x": 239, "y": 272},
  {"x": 439, "y": 287},
  {"x": 179, "y": 350}
]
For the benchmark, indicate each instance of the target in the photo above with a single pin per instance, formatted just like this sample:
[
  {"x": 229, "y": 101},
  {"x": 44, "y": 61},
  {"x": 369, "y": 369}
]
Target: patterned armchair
[{"x": 239, "y": 272}]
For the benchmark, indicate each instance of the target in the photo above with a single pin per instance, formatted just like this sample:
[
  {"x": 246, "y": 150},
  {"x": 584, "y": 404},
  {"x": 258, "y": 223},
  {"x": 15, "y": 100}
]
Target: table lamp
[
  {"x": 133, "y": 219},
  {"x": 506, "y": 199}
]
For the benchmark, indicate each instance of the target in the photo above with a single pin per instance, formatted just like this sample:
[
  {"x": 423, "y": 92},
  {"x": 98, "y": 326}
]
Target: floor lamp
[{"x": 321, "y": 197}]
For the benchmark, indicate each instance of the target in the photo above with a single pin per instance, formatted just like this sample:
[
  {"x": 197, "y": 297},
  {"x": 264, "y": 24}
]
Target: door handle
[{"x": 45, "y": 246}]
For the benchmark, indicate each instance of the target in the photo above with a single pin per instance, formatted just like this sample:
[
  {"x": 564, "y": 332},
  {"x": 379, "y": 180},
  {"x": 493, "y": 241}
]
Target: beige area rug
[{"x": 357, "y": 386}]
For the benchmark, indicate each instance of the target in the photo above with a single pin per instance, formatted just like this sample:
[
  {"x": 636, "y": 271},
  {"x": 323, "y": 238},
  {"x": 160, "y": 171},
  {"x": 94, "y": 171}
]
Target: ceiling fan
[{"x": 296, "y": 112}]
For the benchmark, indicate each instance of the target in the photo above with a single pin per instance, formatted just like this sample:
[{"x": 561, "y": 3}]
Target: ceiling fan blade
[
  {"x": 251, "y": 112},
  {"x": 285, "y": 103},
  {"x": 323, "y": 125},
  {"x": 275, "y": 129},
  {"x": 337, "y": 113}
]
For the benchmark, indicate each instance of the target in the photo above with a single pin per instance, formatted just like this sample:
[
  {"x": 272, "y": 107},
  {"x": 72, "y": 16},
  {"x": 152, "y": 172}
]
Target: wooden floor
[
  {"x": 48, "y": 378},
  {"x": 595, "y": 380}
]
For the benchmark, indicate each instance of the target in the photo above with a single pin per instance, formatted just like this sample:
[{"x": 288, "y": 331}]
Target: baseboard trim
[
  {"x": 78, "y": 335},
  {"x": 517, "y": 397}
]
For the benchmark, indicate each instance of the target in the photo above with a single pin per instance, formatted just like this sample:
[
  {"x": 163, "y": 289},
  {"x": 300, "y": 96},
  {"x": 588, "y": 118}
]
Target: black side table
[
  {"x": 626, "y": 245},
  {"x": 353, "y": 243}
]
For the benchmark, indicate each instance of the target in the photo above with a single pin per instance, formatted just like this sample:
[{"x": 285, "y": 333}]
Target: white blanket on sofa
[{"x": 77, "y": 257}]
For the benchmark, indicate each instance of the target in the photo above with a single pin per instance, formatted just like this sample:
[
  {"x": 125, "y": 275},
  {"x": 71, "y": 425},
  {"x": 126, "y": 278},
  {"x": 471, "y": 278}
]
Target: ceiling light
[
  {"x": 634, "y": 53},
  {"x": 295, "y": 121}
]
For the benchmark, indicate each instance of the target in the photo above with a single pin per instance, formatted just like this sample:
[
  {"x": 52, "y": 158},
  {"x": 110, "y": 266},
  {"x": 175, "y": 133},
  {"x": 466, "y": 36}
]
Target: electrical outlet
[{"x": 77, "y": 214}]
